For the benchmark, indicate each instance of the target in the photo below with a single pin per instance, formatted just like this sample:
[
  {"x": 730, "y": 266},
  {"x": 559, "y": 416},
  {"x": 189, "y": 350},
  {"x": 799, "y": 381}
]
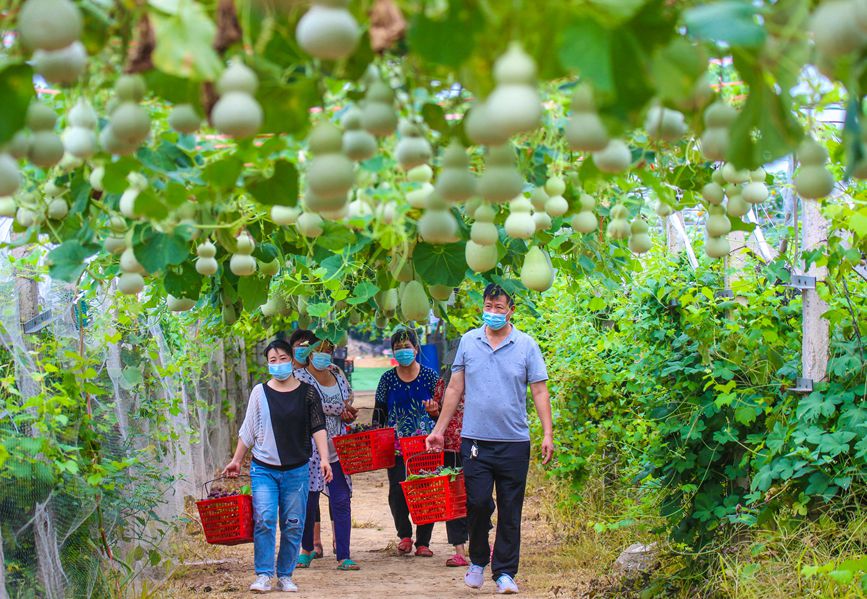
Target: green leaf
[
  {"x": 16, "y": 89},
  {"x": 183, "y": 281},
  {"x": 676, "y": 68},
  {"x": 280, "y": 188},
  {"x": 335, "y": 237},
  {"x": 155, "y": 250},
  {"x": 440, "y": 264},
  {"x": 287, "y": 105},
  {"x": 184, "y": 43},
  {"x": 858, "y": 223},
  {"x": 319, "y": 309},
  {"x": 253, "y": 291},
  {"x": 67, "y": 260},
  {"x": 585, "y": 46},
  {"x": 131, "y": 377},
  {"x": 765, "y": 128},
  {"x": 223, "y": 173},
  {"x": 362, "y": 293},
  {"x": 447, "y": 41},
  {"x": 435, "y": 117},
  {"x": 732, "y": 22}
]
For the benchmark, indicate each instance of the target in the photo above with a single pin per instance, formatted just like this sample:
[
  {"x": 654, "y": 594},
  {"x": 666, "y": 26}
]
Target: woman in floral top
[
  {"x": 456, "y": 530},
  {"x": 402, "y": 398}
]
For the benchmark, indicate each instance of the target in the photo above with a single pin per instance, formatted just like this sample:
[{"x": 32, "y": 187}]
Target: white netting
[{"x": 158, "y": 436}]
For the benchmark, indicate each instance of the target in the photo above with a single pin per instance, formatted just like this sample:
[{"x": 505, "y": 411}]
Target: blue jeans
[
  {"x": 340, "y": 506},
  {"x": 283, "y": 493}
]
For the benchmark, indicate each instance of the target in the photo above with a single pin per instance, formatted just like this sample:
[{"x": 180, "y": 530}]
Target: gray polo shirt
[{"x": 495, "y": 384}]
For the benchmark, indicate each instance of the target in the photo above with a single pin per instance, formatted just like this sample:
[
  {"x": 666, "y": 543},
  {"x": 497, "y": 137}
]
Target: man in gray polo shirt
[{"x": 493, "y": 366}]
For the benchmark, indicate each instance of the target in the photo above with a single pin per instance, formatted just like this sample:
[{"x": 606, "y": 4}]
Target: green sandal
[
  {"x": 304, "y": 560},
  {"x": 348, "y": 564}
]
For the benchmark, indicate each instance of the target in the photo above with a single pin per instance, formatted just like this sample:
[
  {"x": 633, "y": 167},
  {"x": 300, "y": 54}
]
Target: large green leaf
[
  {"x": 440, "y": 264},
  {"x": 676, "y": 68},
  {"x": 732, "y": 22},
  {"x": 362, "y": 293},
  {"x": 766, "y": 128},
  {"x": 184, "y": 43},
  {"x": 16, "y": 89},
  {"x": 66, "y": 261},
  {"x": 253, "y": 291},
  {"x": 447, "y": 40},
  {"x": 287, "y": 105},
  {"x": 585, "y": 46},
  {"x": 223, "y": 173},
  {"x": 281, "y": 188},
  {"x": 155, "y": 250},
  {"x": 183, "y": 280}
]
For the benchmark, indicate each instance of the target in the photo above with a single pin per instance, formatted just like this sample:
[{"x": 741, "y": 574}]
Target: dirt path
[{"x": 224, "y": 572}]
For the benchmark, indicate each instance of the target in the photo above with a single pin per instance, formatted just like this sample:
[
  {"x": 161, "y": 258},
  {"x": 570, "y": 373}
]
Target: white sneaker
[
  {"x": 475, "y": 576},
  {"x": 262, "y": 584},
  {"x": 285, "y": 584},
  {"x": 506, "y": 585}
]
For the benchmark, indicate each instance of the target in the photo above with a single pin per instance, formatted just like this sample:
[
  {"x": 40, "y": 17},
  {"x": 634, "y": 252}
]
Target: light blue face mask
[
  {"x": 405, "y": 356},
  {"x": 281, "y": 371},
  {"x": 493, "y": 320},
  {"x": 302, "y": 353},
  {"x": 320, "y": 360}
]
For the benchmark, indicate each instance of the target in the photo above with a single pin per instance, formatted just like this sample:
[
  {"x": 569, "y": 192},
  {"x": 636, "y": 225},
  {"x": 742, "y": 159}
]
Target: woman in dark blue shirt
[{"x": 402, "y": 396}]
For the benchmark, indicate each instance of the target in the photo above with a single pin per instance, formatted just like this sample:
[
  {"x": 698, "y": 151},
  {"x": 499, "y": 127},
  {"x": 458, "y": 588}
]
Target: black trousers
[
  {"x": 399, "y": 509},
  {"x": 503, "y": 465}
]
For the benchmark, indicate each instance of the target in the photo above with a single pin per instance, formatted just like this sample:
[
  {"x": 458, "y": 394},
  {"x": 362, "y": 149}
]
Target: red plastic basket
[
  {"x": 434, "y": 499},
  {"x": 227, "y": 520},
  {"x": 363, "y": 452},
  {"x": 410, "y": 446}
]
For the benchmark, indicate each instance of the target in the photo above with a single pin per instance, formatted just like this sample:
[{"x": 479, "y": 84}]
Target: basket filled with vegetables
[
  {"x": 365, "y": 449},
  {"x": 434, "y": 494},
  {"x": 227, "y": 516}
]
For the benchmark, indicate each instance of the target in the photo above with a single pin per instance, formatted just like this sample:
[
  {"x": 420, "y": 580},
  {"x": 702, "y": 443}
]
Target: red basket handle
[
  {"x": 204, "y": 486},
  {"x": 411, "y": 458}
]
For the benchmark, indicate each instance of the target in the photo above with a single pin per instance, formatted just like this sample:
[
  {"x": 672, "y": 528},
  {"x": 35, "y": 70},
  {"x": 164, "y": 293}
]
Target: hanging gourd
[
  {"x": 618, "y": 227},
  {"x": 378, "y": 115},
  {"x": 480, "y": 258},
  {"x": 520, "y": 224},
  {"x": 813, "y": 180},
  {"x": 412, "y": 149},
  {"x": 483, "y": 230},
  {"x": 414, "y": 304},
  {"x": 718, "y": 117},
  {"x": 585, "y": 221},
  {"x": 639, "y": 239},
  {"x": 242, "y": 263},
  {"x": 437, "y": 225},
  {"x": 237, "y": 113},
  {"x": 184, "y": 119},
  {"x": 615, "y": 158},
  {"x": 358, "y": 144},
  {"x": 501, "y": 181},
  {"x": 79, "y": 138},
  {"x": 330, "y": 174},
  {"x": 664, "y": 124},
  {"x": 328, "y": 31},
  {"x": 421, "y": 176},
  {"x": 45, "y": 148},
  {"x": 514, "y": 106},
  {"x": 456, "y": 182},
  {"x": 584, "y": 130},
  {"x": 206, "y": 264},
  {"x": 537, "y": 273},
  {"x": 556, "y": 204}
]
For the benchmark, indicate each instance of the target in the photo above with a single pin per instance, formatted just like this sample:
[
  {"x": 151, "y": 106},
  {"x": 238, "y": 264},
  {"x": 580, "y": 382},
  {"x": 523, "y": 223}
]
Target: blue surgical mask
[
  {"x": 320, "y": 360},
  {"x": 301, "y": 354},
  {"x": 405, "y": 356},
  {"x": 281, "y": 371},
  {"x": 493, "y": 320}
]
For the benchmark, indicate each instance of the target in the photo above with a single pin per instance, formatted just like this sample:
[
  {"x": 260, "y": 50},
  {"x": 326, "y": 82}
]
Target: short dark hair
[
  {"x": 280, "y": 344},
  {"x": 493, "y": 290},
  {"x": 404, "y": 334},
  {"x": 301, "y": 335}
]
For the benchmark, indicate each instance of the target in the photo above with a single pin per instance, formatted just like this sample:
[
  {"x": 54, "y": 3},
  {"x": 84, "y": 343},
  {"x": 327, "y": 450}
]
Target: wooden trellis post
[{"x": 814, "y": 350}]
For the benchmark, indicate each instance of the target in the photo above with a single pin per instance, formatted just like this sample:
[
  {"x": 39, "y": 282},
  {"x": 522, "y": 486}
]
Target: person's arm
[
  {"x": 233, "y": 468},
  {"x": 320, "y": 437},
  {"x": 316, "y": 418},
  {"x": 246, "y": 435},
  {"x": 537, "y": 375},
  {"x": 542, "y": 401},
  {"x": 453, "y": 395}
]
